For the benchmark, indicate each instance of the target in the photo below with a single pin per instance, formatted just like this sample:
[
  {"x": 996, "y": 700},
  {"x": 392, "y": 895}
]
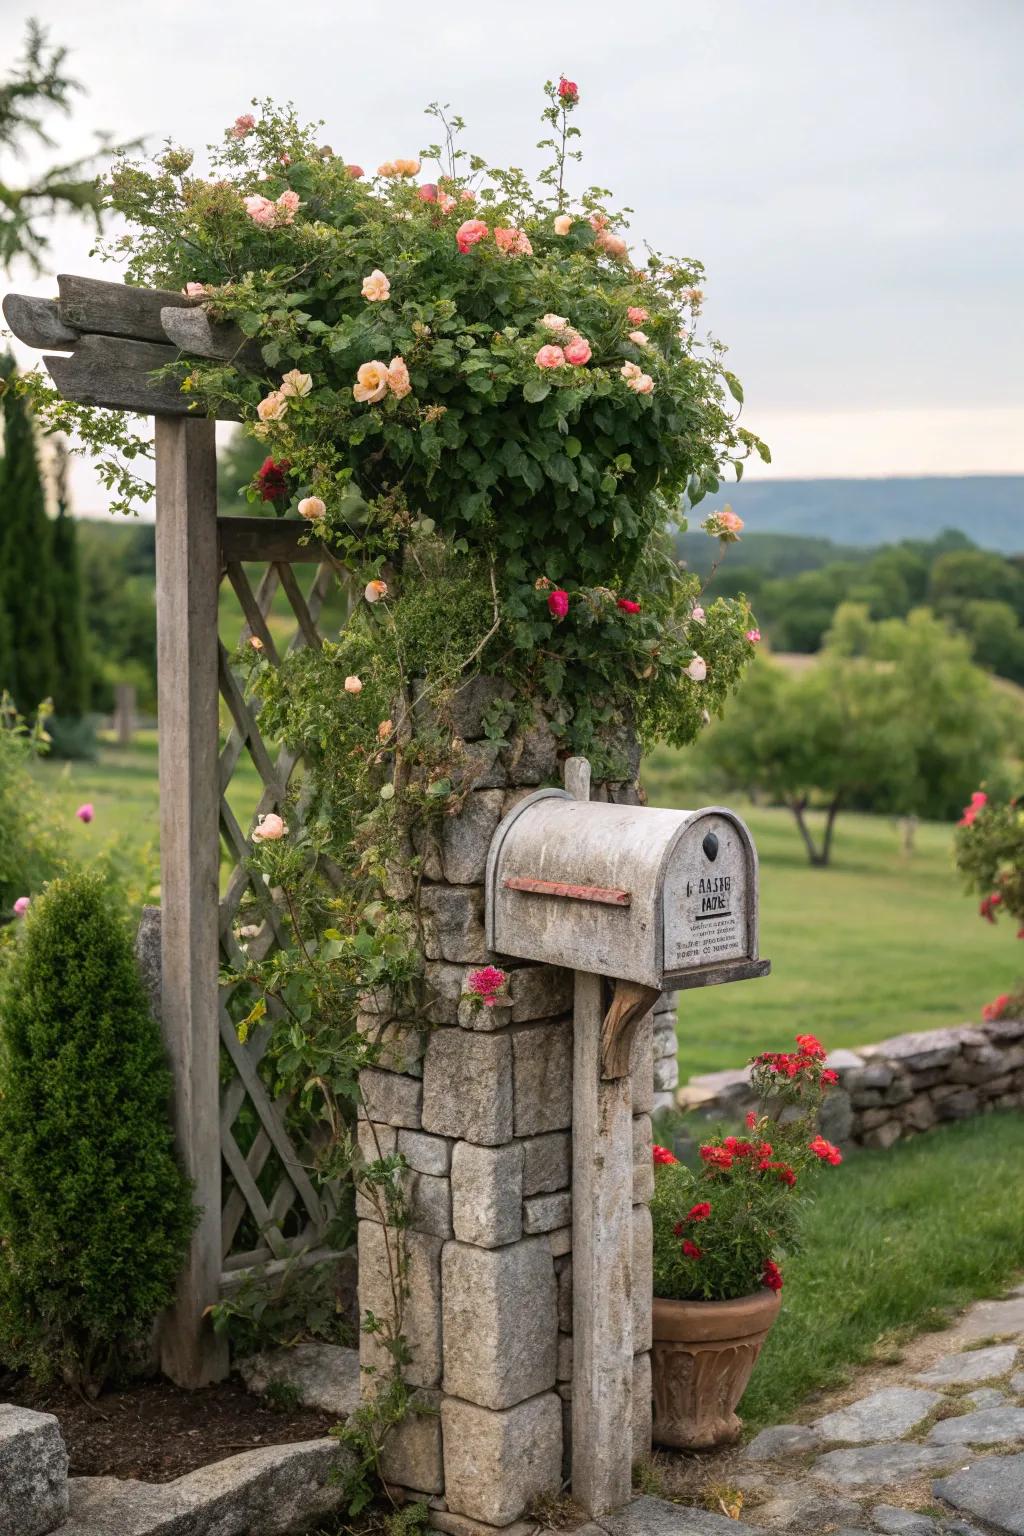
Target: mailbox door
[{"x": 709, "y": 895}]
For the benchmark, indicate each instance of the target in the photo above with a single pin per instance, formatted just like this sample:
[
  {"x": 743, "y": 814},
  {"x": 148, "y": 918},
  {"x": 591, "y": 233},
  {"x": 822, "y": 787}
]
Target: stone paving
[{"x": 935, "y": 1448}]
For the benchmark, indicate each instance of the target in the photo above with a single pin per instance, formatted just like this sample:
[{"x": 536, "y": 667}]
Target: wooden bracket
[{"x": 631, "y": 1000}]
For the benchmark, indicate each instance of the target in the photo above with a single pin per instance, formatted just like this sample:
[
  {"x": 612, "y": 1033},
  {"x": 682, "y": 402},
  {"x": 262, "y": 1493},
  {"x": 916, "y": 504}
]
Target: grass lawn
[
  {"x": 872, "y": 946},
  {"x": 894, "y": 1239}
]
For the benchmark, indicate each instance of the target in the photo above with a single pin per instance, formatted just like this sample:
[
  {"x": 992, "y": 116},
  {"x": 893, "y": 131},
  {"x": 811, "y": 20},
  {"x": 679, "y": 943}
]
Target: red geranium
[
  {"x": 811, "y": 1047},
  {"x": 716, "y": 1157},
  {"x": 825, "y": 1150},
  {"x": 690, "y": 1250},
  {"x": 270, "y": 477},
  {"x": 663, "y": 1155},
  {"x": 627, "y": 605},
  {"x": 995, "y": 1010},
  {"x": 772, "y": 1276},
  {"x": 987, "y": 907},
  {"x": 700, "y": 1212}
]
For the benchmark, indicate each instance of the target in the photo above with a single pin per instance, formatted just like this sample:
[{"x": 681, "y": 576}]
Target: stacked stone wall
[{"x": 897, "y": 1088}]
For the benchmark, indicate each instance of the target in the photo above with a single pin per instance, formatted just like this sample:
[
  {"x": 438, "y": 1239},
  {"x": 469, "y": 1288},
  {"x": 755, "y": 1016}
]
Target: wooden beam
[
  {"x": 193, "y": 331},
  {"x": 113, "y": 372},
  {"x": 115, "y": 309},
  {"x": 37, "y": 323},
  {"x": 267, "y": 538},
  {"x": 187, "y": 577}
]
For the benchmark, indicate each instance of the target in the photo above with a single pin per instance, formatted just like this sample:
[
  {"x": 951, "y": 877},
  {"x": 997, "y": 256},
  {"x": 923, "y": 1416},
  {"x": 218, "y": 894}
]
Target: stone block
[
  {"x": 641, "y": 1067},
  {"x": 453, "y": 922},
  {"x": 532, "y": 756},
  {"x": 487, "y": 1193},
  {"x": 399, "y": 1047},
  {"x": 642, "y": 1277},
  {"x": 543, "y": 1077},
  {"x": 878, "y": 1466},
  {"x": 883, "y": 1136},
  {"x": 991, "y": 1489},
  {"x": 425, "y": 1154},
  {"x": 467, "y": 1086},
  {"x": 443, "y": 987},
  {"x": 545, "y": 1213},
  {"x": 500, "y": 1322},
  {"x": 973, "y": 1365},
  {"x": 540, "y": 992},
  {"x": 422, "y": 1310},
  {"x": 323, "y": 1376},
  {"x": 731, "y": 1090},
  {"x": 898, "y": 1091},
  {"x": 148, "y": 956},
  {"x": 642, "y": 1407},
  {"x": 836, "y": 1116},
  {"x": 497, "y": 1465},
  {"x": 919, "y": 1114},
  {"x": 466, "y": 838},
  {"x": 430, "y": 1204},
  {"x": 886, "y": 1415},
  {"x": 959, "y": 1105},
  {"x": 480, "y": 765},
  {"x": 411, "y": 1454},
  {"x": 665, "y": 1074},
  {"x": 33, "y": 1472},
  {"x": 926, "y": 1048},
  {"x": 560, "y": 1242},
  {"x": 376, "y": 1140},
  {"x": 467, "y": 705},
  {"x": 392, "y": 1098},
  {"x": 643, "y": 1163},
  {"x": 547, "y": 1162},
  {"x": 661, "y": 1102},
  {"x": 666, "y": 1042},
  {"x": 563, "y": 1276}
]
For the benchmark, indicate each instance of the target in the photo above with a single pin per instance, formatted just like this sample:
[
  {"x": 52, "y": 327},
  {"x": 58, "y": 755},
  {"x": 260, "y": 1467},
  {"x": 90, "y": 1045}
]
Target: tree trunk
[
  {"x": 815, "y": 857},
  {"x": 830, "y": 823}
]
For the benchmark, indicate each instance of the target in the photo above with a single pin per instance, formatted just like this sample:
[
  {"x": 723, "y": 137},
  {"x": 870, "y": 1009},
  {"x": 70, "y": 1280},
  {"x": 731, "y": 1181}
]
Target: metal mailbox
[{"x": 668, "y": 899}]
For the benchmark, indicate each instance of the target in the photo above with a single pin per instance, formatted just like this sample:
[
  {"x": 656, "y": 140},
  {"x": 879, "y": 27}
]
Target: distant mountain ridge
[{"x": 988, "y": 508}]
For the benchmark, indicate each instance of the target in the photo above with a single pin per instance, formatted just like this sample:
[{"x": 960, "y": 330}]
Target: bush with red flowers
[
  {"x": 721, "y": 1226},
  {"x": 989, "y": 852}
]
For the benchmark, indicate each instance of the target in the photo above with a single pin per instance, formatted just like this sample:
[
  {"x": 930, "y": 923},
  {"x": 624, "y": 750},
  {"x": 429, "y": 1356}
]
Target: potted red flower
[{"x": 719, "y": 1230}]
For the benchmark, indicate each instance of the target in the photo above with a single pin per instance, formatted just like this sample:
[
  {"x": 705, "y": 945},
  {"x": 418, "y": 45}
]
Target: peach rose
[
  {"x": 312, "y": 507},
  {"x": 270, "y": 829},
  {"x": 287, "y": 205},
  {"x": 554, "y": 322},
  {"x": 384, "y": 730},
  {"x": 407, "y": 167},
  {"x": 578, "y": 352},
  {"x": 272, "y": 407},
  {"x": 376, "y": 287},
  {"x": 196, "y": 290},
  {"x": 563, "y": 224},
  {"x": 375, "y": 590},
  {"x": 256, "y": 642},
  {"x": 371, "y": 381},
  {"x": 261, "y": 210},
  {"x": 611, "y": 244},
  {"x": 512, "y": 242},
  {"x": 638, "y": 338},
  {"x": 470, "y": 233},
  {"x": 446, "y": 202},
  {"x": 698, "y": 669},
  {"x": 635, "y": 315},
  {"x": 550, "y": 357},
  {"x": 295, "y": 384},
  {"x": 389, "y": 168},
  {"x": 728, "y": 520},
  {"x": 630, "y": 371},
  {"x": 399, "y": 382},
  {"x": 353, "y": 685},
  {"x": 243, "y": 125},
  {"x": 643, "y": 384}
]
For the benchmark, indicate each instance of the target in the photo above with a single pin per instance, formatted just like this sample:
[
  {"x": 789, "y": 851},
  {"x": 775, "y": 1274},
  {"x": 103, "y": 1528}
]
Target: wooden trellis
[{"x": 258, "y": 1202}]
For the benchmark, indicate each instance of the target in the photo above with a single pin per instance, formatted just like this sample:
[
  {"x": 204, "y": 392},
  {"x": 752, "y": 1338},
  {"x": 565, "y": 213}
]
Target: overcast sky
[{"x": 849, "y": 171}]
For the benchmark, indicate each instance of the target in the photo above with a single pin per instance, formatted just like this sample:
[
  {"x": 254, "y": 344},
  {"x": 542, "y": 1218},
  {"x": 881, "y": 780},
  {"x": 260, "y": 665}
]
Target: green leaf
[
  {"x": 733, "y": 385},
  {"x": 535, "y": 390},
  {"x": 573, "y": 447}
]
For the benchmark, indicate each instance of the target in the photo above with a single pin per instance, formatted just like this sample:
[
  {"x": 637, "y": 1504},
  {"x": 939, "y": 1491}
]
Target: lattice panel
[{"x": 271, "y": 1209}]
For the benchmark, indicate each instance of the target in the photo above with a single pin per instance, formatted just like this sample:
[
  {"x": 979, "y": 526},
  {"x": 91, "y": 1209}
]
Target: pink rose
[
  {"x": 550, "y": 357},
  {"x": 470, "y": 233},
  {"x": 753, "y": 635},
  {"x": 466, "y": 196},
  {"x": 312, "y": 507},
  {"x": 353, "y": 685},
  {"x": 563, "y": 224},
  {"x": 729, "y": 521},
  {"x": 698, "y": 669},
  {"x": 428, "y": 192},
  {"x": 270, "y": 829},
  {"x": 445, "y": 202},
  {"x": 287, "y": 206},
  {"x": 568, "y": 91},
  {"x": 553, "y": 322},
  {"x": 376, "y": 288},
  {"x": 643, "y": 384},
  {"x": 196, "y": 290},
  {"x": 355, "y": 171},
  {"x": 513, "y": 242},
  {"x": 261, "y": 210},
  {"x": 243, "y": 125},
  {"x": 375, "y": 590},
  {"x": 371, "y": 382},
  {"x": 578, "y": 352},
  {"x": 399, "y": 382},
  {"x": 697, "y": 615},
  {"x": 558, "y": 603},
  {"x": 638, "y": 338},
  {"x": 85, "y": 813},
  {"x": 22, "y": 905},
  {"x": 636, "y": 315},
  {"x": 611, "y": 244}
]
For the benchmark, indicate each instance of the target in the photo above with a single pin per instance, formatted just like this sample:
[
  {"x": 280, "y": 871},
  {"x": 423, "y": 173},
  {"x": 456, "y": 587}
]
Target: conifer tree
[
  {"x": 71, "y": 689},
  {"x": 26, "y": 555}
]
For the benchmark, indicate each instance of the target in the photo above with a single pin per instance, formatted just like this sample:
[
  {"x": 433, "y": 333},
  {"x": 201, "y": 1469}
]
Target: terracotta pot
[{"x": 704, "y": 1352}]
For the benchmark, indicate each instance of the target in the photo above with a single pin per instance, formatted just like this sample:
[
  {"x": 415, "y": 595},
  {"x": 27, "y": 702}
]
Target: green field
[{"x": 875, "y": 945}]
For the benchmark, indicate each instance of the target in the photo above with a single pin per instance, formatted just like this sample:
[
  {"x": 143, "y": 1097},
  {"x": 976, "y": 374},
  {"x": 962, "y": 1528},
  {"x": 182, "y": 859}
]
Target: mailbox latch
[{"x": 608, "y": 896}]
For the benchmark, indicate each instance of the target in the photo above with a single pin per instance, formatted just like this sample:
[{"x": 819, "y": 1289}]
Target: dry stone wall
[
  {"x": 897, "y": 1088},
  {"x": 480, "y": 1105}
]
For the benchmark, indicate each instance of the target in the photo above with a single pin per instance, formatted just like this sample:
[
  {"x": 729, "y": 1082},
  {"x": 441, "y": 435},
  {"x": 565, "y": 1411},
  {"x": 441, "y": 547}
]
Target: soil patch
[{"x": 155, "y": 1431}]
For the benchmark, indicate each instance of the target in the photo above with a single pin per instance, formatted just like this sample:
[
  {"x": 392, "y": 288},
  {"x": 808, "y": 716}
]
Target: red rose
[
  {"x": 988, "y": 906},
  {"x": 663, "y": 1155},
  {"x": 996, "y": 1009},
  {"x": 716, "y": 1157},
  {"x": 558, "y": 603},
  {"x": 569, "y": 91},
  {"x": 825, "y": 1150},
  {"x": 771, "y": 1276},
  {"x": 828, "y": 1077},
  {"x": 690, "y": 1250},
  {"x": 627, "y": 605},
  {"x": 699, "y": 1212},
  {"x": 810, "y": 1046},
  {"x": 270, "y": 477}
]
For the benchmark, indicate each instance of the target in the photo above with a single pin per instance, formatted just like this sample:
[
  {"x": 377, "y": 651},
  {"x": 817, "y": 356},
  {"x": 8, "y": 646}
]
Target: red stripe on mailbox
[{"x": 602, "y": 893}]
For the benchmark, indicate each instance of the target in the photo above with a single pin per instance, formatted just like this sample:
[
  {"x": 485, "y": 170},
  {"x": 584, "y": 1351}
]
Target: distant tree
[
  {"x": 26, "y": 556},
  {"x": 893, "y": 718},
  {"x": 71, "y": 689},
  {"x": 972, "y": 576},
  {"x": 119, "y": 589},
  {"x": 996, "y": 636},
  {"x": 37, "y": 83},
  {"x": 797, "y": 610}
]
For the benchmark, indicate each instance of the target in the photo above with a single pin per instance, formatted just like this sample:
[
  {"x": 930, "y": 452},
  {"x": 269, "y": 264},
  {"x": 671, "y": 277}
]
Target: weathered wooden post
[{"x": 635, "y": 900}]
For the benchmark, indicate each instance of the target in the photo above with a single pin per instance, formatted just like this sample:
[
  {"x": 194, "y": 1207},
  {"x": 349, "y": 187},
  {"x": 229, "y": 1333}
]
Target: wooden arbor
[{"x": 258, "y": 1203}]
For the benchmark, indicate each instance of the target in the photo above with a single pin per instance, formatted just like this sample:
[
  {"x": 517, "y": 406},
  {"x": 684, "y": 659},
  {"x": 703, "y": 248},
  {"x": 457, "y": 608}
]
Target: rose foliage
[
  {"x": 989, "y": 852},
  {"x": 721, "y": 1227}
]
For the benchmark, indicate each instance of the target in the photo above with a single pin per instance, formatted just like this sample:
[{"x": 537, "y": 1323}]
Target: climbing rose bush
[
  {"x": 456, "y": 354},
  {"x": 989, "y": 853},
  {"x": 721, "y": 1226}
]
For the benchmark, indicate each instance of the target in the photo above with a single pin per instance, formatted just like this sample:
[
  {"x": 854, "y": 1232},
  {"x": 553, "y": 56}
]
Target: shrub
[
  {"x": 30, "y": 851},
  {"x": 95, "y": 1214},
  {"x": 720, "y": 1228},
  {"x": 989, "y": 852}
]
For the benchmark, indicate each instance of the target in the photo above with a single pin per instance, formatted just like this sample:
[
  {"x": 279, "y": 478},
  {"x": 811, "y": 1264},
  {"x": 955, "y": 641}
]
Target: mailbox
[{"x": 664, "y": 898}]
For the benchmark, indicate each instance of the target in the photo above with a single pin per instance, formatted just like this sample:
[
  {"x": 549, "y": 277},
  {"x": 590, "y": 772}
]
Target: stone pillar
[{"x": 480, "y": 1105}]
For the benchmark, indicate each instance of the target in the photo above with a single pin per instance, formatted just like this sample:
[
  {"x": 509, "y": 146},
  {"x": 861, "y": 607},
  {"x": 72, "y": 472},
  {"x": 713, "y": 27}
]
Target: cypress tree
[
  {"x": 26, "y": 554},
  {"x": 95, "y": 1214},
  {"x": 71, "y": 690}
]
